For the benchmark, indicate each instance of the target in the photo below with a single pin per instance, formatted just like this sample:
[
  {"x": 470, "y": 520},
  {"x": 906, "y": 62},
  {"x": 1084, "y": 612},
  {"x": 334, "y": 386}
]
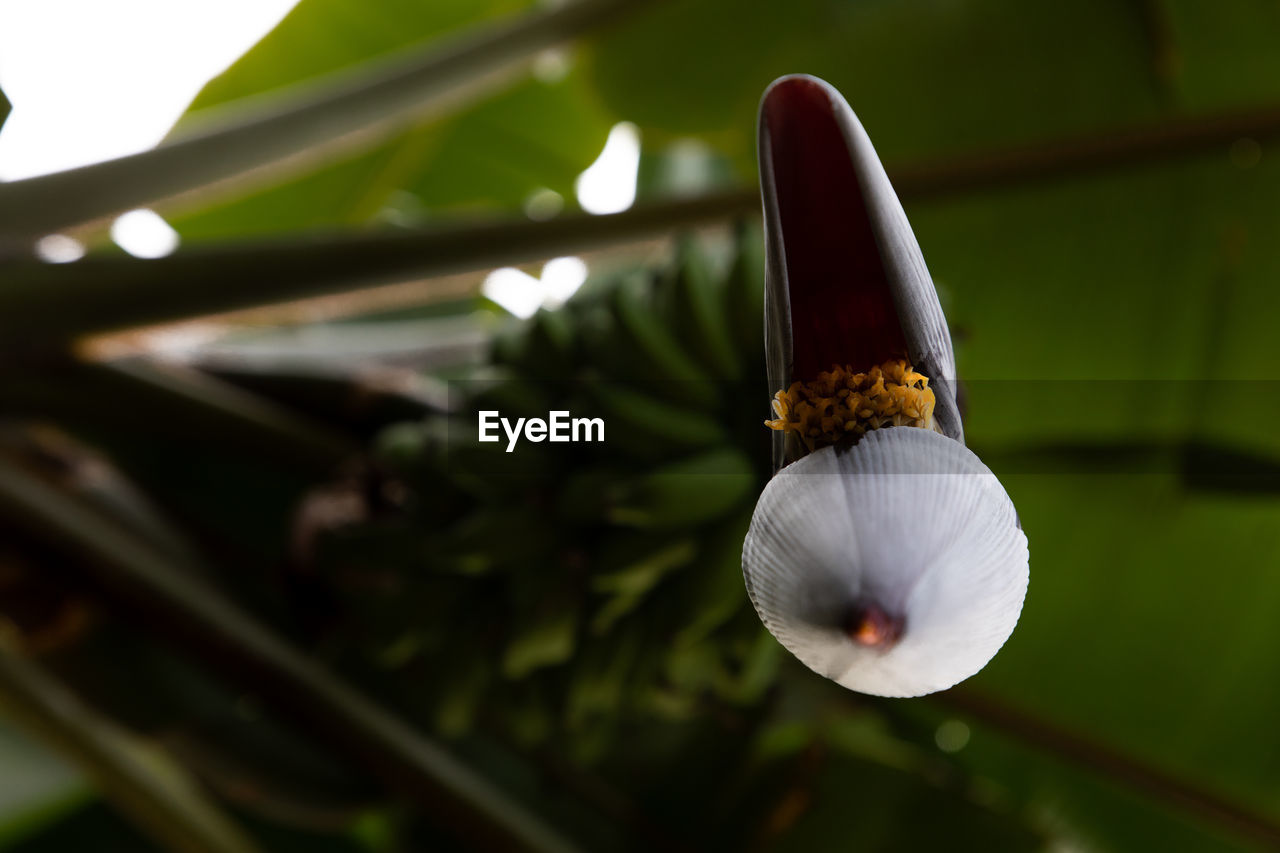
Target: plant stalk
[
  {"x": 199, "y": 619},
  {"x": 346, "y": 112},
  {"x": 141, "y": 781}
]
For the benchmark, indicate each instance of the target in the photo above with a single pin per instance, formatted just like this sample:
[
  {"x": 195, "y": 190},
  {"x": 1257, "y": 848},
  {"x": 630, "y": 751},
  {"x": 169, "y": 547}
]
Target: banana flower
[{"x": 883, "y": 554}]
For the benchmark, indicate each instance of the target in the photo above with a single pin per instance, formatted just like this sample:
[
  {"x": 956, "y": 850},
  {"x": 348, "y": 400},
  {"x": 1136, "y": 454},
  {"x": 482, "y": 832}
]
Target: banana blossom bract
[{"x": 891, "y": 561}]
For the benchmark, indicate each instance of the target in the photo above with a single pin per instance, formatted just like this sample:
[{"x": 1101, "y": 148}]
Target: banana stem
[
  {"x": 48, "y": 304},
  {"x": 45, "y": 302},
  {"x": 145, "y": 398}
]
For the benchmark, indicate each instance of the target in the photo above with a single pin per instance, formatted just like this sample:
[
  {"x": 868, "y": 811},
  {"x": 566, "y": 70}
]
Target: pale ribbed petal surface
[{"x": 909, "y": 520}]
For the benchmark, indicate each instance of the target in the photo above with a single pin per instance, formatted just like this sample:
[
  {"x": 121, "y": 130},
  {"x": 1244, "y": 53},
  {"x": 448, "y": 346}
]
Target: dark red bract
[{"x": 842, "y": 310}]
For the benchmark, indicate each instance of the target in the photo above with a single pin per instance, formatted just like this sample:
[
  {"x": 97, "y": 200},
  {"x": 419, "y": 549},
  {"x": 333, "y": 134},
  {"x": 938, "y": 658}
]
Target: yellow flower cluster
[{"x": 842, "y": 404}]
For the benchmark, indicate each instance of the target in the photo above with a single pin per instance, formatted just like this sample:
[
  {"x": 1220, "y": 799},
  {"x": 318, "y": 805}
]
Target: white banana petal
[{"x": 907, "y": 523}]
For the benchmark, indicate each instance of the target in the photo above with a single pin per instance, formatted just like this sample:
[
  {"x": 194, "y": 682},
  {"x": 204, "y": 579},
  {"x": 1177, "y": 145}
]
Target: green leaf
[
  {"x": 630, "y": 566},
  {"x": 540, "y": 133},
  {"x": 1164, "y": 611},
  {"x": 1149, "y": 333},
  {"x": 348, "y": 112},
  {"x": 910, "y": 70},
  {"x": 319, "y": 37},
  {"x": 1218, "y": 56},
  {"x": 715, "y": 590},
  {"x": 537, "y": 135},
  {"x": 36, "y": 787},
  {"x": 545, "y": 638}
]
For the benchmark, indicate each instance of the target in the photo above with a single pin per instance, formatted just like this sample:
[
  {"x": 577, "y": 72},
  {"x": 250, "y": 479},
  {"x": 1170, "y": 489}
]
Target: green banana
[
  {"x": 638, "y": 424},
  {"x": 629, "y": 566},
  {"x": 495, "y": 537},
  {"x": 582, "y": 554},
  {"x": 602, "y": 343},
  {"x": 551, "y": 343},
  {"x": 586, "y": 496},
  {"x": 653, "y": 352},
  {"x": 688, "y": 493},
  {"x": 485, "y": 470},
  {"x": 713, "y": 594},
  {"x": 507, "y": 347},
  {"x": 460, "y": 687},
  {"x": 602, "y": 675},
  {"x": 541, "y": 347},
  {"x": 550, "y": 587},
  {"x": 544, "y": 635},
  {"x": 504, "y": 390},
  {"x": 756, "y": 660},
  {"x": 631, "y": 562},
  {"x": 694, "y": 302},
  {"x": 744, "y": 295},
  {"x": 526, "y": 709}
]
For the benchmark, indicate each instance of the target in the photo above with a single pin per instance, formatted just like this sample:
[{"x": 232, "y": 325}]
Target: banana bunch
[{"x": 557, "y": 585}]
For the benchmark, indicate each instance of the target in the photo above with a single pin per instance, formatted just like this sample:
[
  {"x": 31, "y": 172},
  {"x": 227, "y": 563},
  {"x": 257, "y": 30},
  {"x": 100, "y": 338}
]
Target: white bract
[
  {"x": 908, "y": 522},
  {"x": 893, "y": 563}
]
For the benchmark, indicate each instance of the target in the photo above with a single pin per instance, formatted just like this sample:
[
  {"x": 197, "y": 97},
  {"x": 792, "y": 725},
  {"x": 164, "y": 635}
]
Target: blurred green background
[{"x": 258, "y": 591}]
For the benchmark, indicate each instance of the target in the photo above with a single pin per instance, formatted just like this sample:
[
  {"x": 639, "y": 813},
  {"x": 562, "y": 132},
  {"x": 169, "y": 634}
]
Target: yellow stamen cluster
[{"x": 841, "y": 404}]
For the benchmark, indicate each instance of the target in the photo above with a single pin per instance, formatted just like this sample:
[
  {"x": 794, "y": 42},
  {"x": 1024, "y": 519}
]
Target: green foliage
[
  {"x": 967, "y": 76},
  {"x": 93, "y": 826},
  {"x": 36, "y": 789},
  {"x": 319, "y": 37},
  {"x": 569, "y": 620},
  {"x": 537, "y": 134}
]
